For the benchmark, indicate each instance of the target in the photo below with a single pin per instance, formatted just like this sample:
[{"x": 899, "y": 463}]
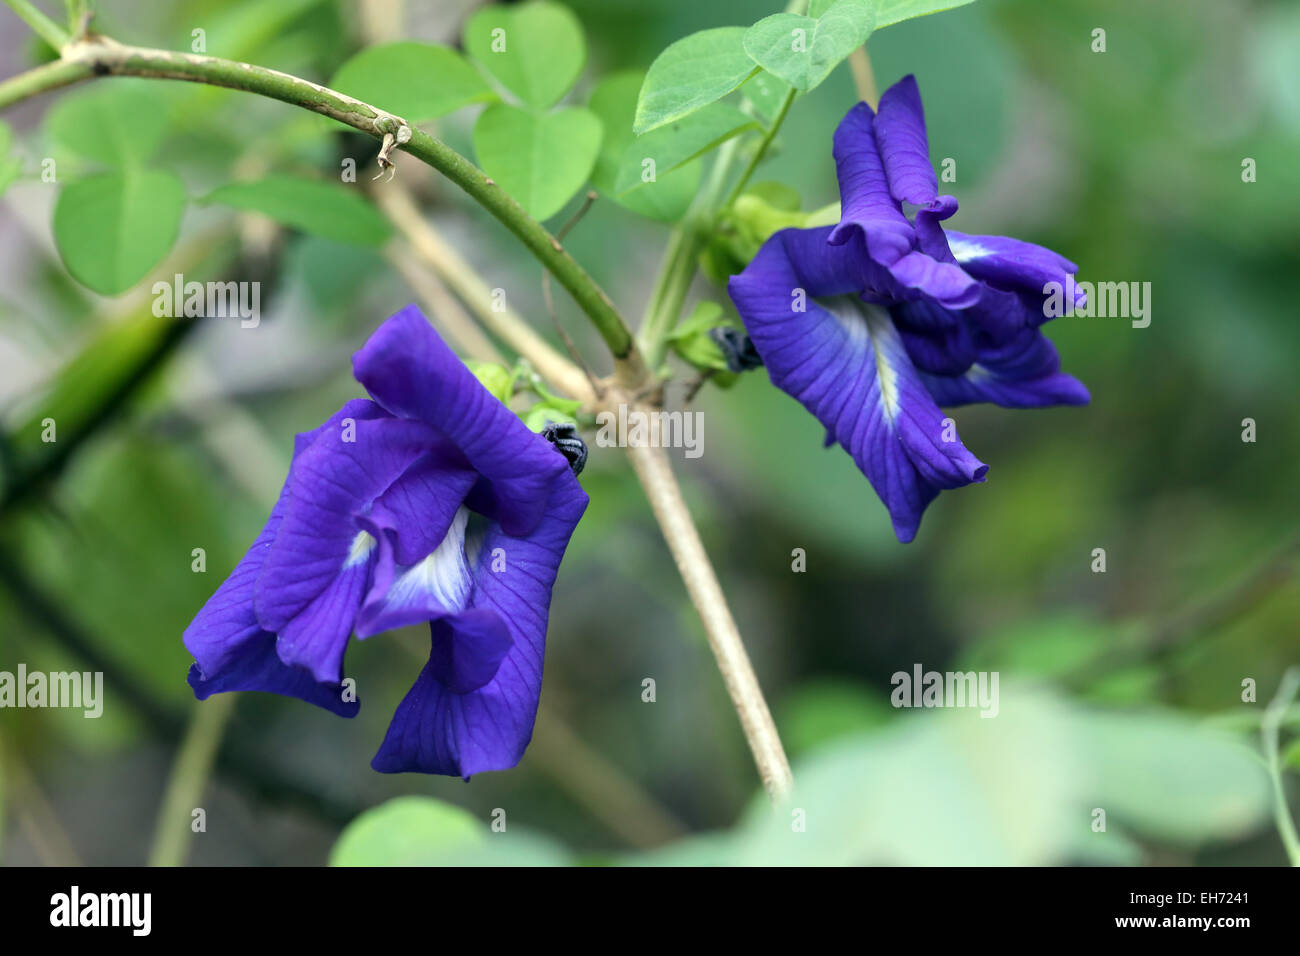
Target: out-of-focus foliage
[{"x": 1129, "y": 161}]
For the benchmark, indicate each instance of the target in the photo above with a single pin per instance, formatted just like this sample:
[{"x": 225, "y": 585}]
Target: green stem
[
  {"x": 761, "y": 151},
  {"x": 102, "y": 56},
  {"x": 48, "y": 77},
  {"x": 1268, "y": 730},
  {"x": 679, "y": 264},
  {"x": 189, "y": 778},
  {"x": 43, "y": 26},
  {"x": 674, "y": 280}
]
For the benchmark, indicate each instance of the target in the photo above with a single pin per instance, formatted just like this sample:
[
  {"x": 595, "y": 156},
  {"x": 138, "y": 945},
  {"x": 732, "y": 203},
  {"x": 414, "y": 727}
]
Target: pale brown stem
[{"x": 656, "y": 476}]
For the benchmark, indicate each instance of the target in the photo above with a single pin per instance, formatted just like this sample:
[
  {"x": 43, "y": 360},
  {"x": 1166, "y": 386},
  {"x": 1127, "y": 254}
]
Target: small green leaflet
[
  {"x": 675, "y": 144},
  {"x": 766, "y": 93},
  {"x": 536, "y": 51},
  {"x": 111, "y": 229},
  {"x": 111, "y": 124},
  {"x": 541, "y": 159},
  {"x": 416, "y": 81},
  {"x": 667, "y": 199},
  {"x": 802, "y": 51},
  {"x": 320, "y": 209},
  {"x": 693, "y": 72},
  {"x": 406, "y": 831}
]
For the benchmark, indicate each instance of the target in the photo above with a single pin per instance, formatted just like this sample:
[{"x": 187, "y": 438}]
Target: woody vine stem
[{"x": 86, "y": 55}]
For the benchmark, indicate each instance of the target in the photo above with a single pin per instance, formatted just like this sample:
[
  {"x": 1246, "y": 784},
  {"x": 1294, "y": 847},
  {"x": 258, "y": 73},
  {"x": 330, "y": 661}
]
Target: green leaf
[
  {"x": 765, "y": 93},
  {"x": 536, "y": 50},
  {"x": 111, "y": 229},
  {"x": 406, "y": 831},
  {"x": 889, "y": 12},
  {"x": 691, "y": 340},
  {"x": 1168, "y": 778},
  {"x": 416, "y": 81},
  {"x": 676, "y": 144},
  {"x": 691, "y": 73},
  {"x": 558, "y": 410},
  {"x": 667, "y": 199},
  {"x": 111, "y": 124},
  {"x": 541, "y": 159},
  {"x": 321, "y": 209},
  {"x": 422, "y": 831},
  {"x": 802, "y": 51}
]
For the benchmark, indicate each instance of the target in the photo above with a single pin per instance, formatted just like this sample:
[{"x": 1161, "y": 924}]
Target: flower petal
[
  {"x": 844, "y": 360},
  {"x": 868, "y": 207},
  {"x": 411, "y": 372},
  {"x": 225, "y": 625},
  {"x": 435, "y": 729},
  {"x": 331, "y": 482},
  {"x": 468, "y": 649},
  {"x": 904, "y": 148},
  {"x": 866, "y": 203},
  {"x": 232, "y": 651},
  {"x": 259, "y": 668},
  {"x": 1011, "y": 264},
  {"x": 316, "y": 638},
  {"x": 435, "y": 585},
  {"x": 420, "y": 505},
  {"x": 1021, "y": 373}
]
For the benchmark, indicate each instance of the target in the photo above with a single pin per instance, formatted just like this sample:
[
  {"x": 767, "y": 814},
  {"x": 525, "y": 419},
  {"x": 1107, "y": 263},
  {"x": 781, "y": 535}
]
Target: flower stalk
[{"x": 665, "y": 496}]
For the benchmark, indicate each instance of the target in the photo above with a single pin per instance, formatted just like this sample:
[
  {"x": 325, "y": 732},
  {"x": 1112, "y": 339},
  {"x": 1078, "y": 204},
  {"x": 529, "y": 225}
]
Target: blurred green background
[{"x": 1129, "y": 162}]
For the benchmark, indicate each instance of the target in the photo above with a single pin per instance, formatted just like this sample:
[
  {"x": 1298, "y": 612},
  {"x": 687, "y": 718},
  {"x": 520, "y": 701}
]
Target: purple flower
[
  {"x": 430, "y": 502},
  {"x": 876, "y": 322}
]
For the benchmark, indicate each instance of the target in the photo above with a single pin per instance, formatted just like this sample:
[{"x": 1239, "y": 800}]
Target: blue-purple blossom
[
  {"x": 875, "y": 323},
  {"x": 430, "y": 501}
]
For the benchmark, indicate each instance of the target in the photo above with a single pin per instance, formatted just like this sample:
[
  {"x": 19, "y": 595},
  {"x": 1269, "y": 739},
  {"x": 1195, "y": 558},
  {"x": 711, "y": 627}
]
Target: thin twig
[
  {"x": 173, "y": 828},
  {"x": 395, "y": 202},
  {"x": 694, "y": 388},
  {"x": 598, "y": 785},
  {"x": 1268, "y": 730},
  {"x": 466, "y": 337},
  {"x": 864, "y": 78},
  {"x": 38, "y": 818},
  {"x": 656, "y": 476},
  {"x": 550, "y": 302}
]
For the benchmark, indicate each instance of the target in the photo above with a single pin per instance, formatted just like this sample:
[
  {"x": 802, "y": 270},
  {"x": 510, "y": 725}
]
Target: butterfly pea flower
[
  {"x": 430, "y": 501},
  {"x": 877, "y": 321}
]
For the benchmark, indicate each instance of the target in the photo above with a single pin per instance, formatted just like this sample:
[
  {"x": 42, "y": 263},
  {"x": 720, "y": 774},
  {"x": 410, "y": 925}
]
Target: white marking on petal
[
  {"x": 444, "y": 574},
  {"x": 362, "y": 545},
  {"x": 964, "y": 250},
  {"x": 871, "y": 324}
]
